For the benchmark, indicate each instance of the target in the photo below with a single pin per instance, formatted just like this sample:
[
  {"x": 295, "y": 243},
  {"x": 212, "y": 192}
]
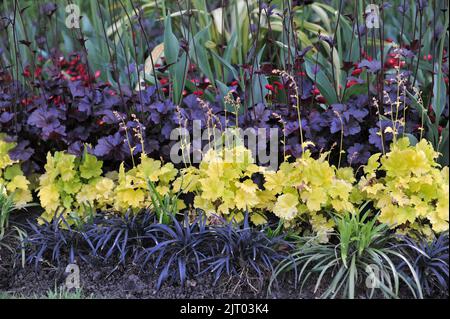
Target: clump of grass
[
  {"x": 63, "y": 293},
  {"x": 56, "y": 293},
  {"x": 365, "y": 255},
  {"x": 6, "y": 207}
]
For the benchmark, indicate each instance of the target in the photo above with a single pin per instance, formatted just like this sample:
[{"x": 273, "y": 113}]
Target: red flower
[
  {"x": 270, "y": 87},
  {"x": 357, "y": 72},
  {"x": 315, "y": 91},
  {"x": 321, "y": 99},
  {"x": 57, "y": 100},
  {"x": 26, "y": 72},
  {"x": 394, "y": 62},
  {"x": 366, "y": 56},
  {"x": 37, "y": 72},
  {"x": 164, "y": 81},
  {"x": 198, "y": 93},
  {"x": 234, "y": 83},
  {"x": 351, "y": 83},
  {"x": 279, "y": 85},
  {"x": 389, "y": 40},
  {"x": 428, "y": 57},
  {"x": 26, "y": 101}
]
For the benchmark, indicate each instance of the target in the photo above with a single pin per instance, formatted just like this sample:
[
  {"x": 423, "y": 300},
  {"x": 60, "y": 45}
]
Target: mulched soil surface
[{"x": 130, "y": 281}]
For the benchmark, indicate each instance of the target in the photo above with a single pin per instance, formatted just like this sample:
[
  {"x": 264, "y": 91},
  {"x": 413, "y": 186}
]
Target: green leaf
[
  {"x": 323, "y": 83},
  {"x": 178, "y": 66},
  {"x": 439, "y": 89},
  {"x": 259, "y": 83},
  {"x": 198, "y": 51},
  {"x": 223, "y": 91},
  {"x": 412, "y": 139},
  {"x": 226, "y": 64},
  {"x": 444, "y": 147},
  {"x": 228, "y": 54},
  {"x": 171, "y": 44},
  {"x": 179, "y": 71},
  {"x": 355, "y": 90},
  {"x": 90, "y": 167},
  {"x": 439, "y": 93},
  {"x": 12, "y": 171}
]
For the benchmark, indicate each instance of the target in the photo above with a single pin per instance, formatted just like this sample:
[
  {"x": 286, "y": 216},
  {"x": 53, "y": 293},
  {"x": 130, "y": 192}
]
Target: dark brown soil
[{"x": 131, "y": 282}]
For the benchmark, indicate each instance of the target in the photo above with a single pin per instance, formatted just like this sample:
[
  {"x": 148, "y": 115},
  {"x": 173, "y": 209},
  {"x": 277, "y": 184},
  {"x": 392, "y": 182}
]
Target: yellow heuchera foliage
[
  {"x": 412, "y": 190},
  {"x": 223, "y": 186},
  {"x": 11, "y": 176},
  {"x": 303, "y": 189},
  {"x": 73, "y": 184},
  {"x": 132, "y": 190}
]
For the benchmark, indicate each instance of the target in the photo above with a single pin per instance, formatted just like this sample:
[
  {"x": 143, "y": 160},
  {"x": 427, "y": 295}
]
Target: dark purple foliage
[
  {"x": 358, "y": 154},
  {"x": 119, "y": 237},
  {"x": 430, "y": 262},
  {"x": 57, "y": 244},
  {"x": 241, "y": 247},
  {"x": 66, "y": 114},
  {"x": 180, "y": 249},
  {"x": 380, "y": 137},
  {"x": 371, "y": 66}
]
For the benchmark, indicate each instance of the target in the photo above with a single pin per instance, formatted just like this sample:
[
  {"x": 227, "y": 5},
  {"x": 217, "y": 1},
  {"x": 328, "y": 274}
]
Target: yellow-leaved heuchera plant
[
  {"x": 408, "y": 186},
  {"x": 133, "y": 189},
  {"x": 73, "y": 184},
  {"x": 223, "y": 184},
  {"x": 12, "y": 180},
  {"x": 304, "y": 190}
]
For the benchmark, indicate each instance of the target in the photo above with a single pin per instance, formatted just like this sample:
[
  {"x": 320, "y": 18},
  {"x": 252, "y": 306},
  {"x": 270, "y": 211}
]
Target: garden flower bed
[{"x": 201, "y": 149}]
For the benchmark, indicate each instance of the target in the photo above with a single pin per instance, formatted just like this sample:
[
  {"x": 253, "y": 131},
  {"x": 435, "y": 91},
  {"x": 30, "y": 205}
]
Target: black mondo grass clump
[
  {"x": 118, "y": 237},
  {"x": 180, "y": 249},
  {"x": 186, "y": 249},
  {"x": 105, "y": 238},
  {"x": 245, "y": 251},
  {"x": 57, "y": 241},
  {"x": 430, "y": 260},
  {"x": 364, "y": 261},
  {"x": 177, "y": 251}
]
